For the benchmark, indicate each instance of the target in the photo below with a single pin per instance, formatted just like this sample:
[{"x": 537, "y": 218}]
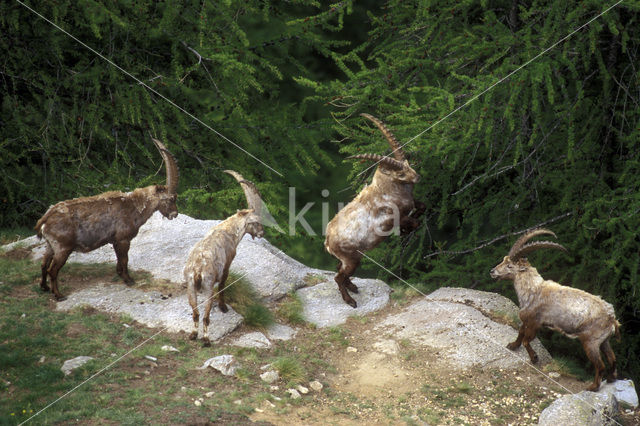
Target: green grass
[
  {"x": 11, "y": 235},
  {"x": 290, "y": 370},
  {"x": 244, "y": 300},
  {"x": 290, "y": 309}
]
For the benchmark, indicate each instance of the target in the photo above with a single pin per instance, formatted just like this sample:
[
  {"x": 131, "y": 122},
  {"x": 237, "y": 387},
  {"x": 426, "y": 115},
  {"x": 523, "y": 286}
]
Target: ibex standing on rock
[
  {"x": 209, "y": 260},
  {"x": 84, "y": 224},
  {"x": 544, "y": 303},
  {"x": 370, "y": 217}
]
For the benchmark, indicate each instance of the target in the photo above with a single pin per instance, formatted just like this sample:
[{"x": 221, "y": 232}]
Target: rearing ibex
[
  {"x": 545, "y": 303},
  {"x": 370, "y": 217},
  {"x": 209, "y": 260},
  {"x": 86, "y": 223}
]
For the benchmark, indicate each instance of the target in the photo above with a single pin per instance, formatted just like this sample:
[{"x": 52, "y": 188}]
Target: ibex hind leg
[
  {"x": 344, "y": 283},
  {"x": 593, "y": 353},
  {"x": 192, "y": 289},
  {"x": 58, "y": 261},
  {"x": 612, "y": 374},
  {"x": 46, "y": 262}
]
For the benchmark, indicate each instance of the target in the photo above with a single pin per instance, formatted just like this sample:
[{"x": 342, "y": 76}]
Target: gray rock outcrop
[
  {"x": 581, "y": 409},
  {"x": 150, "y": 308},
  {"x": 162, "y": 246},
  {"x": 324, "y": 307},
  {"x": 623, "y": 390},
  {"x": 459, "y": 324}
]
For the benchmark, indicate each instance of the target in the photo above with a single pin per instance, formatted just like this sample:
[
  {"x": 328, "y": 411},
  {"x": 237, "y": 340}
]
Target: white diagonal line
[
  {"x": 473, "y": 98},
  {"x": 474, "y": 332},
  {"x": 96, "y": 374},
  {"x": 146, "y": 86}
]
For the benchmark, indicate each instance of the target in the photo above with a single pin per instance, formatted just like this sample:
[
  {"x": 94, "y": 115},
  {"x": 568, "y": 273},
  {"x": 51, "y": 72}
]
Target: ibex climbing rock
[
  {"x": 209, "y": 260},
  {"x": 382, "y": 206},
  {"x": 86, "y": 223},
  {"x": 545, "y": 303}
]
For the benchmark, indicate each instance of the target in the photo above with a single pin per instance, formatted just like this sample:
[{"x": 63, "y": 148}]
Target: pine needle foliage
[
  {"x": 554, "y": 144},
  {"x": 73, "y": 124}
]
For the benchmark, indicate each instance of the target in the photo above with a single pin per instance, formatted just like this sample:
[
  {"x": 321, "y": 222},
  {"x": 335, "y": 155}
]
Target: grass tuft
[
  {"x": 290, "y": 370},
  {"x": 243, "y": 298},
  {"x": 291, "y": 309}
]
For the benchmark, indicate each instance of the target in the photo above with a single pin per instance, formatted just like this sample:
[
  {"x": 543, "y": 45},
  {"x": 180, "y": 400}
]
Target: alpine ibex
[
  {"x": 375, "y": 212},
  {"x": 209, "y": 260},
  {"x": 86, "y": 223},
  {"x": 544, "y": 303}
]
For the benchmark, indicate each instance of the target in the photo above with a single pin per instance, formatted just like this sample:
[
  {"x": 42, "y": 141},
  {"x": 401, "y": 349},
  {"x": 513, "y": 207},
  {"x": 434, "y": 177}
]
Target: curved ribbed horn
[
  {"x": 387, "y": 161},
  {"x": 517, "y": 246},
  {"x": 254, "y": 200},
  {"x": 533, "y": 246},
  {"x": 397, "y": 151},
  {"x": 173, "y": 174}
]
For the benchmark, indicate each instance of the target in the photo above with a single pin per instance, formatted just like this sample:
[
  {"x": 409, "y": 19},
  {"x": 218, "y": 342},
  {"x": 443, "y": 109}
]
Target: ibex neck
[
  {"x": 527, "y": 284},
  {"x": 235, "y": 227}
]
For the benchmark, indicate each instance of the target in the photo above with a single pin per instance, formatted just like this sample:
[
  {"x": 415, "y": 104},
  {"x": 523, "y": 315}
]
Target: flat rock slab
[
  {"x": 324, "y": 307},
  {"x": 462, "y": 335},
  {"x": 281, "y": 332},
  {"x": 149, "y": 308},
  {"x": 252, "y": 340},
  {"x": 162, "y": 246}
]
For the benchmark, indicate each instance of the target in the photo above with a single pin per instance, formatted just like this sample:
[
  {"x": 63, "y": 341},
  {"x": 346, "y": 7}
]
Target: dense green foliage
[{"x": 554, "y": 144}]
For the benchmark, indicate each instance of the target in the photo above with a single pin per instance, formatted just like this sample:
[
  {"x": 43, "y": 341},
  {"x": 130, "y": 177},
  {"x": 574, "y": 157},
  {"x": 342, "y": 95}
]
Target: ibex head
[
  {"x": 515, "y": 261},
  {"x": 254, "y": 200},
  {"x": 167, "y": 195},
  {"x": 397, "y": 168}
]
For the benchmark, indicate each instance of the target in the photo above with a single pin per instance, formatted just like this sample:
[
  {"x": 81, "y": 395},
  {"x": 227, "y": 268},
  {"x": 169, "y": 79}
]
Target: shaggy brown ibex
[
  {"x": 369, "y": 218},
  {"x": 209, "y": 260},
  {"x": 86, "y": 223},
  {"x": 545, "y": 303}
]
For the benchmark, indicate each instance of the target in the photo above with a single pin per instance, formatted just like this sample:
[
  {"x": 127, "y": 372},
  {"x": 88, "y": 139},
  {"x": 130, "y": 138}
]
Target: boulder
[
  {"x": 226, "y": 364},
  {"x": 581, "y": 409},
  {"x": 324, "y": 307},
  {"x": 623, "y": 390},
  {"x": 71, "y": 364},
  {"x": 162, "y": 246}
]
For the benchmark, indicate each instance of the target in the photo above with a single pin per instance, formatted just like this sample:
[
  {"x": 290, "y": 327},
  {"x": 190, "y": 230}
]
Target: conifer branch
[{"x": 501, "y": 237}]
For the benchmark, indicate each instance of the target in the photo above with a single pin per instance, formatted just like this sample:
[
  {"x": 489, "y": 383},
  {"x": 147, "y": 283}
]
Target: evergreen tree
[{"x": 555, "y": 144}]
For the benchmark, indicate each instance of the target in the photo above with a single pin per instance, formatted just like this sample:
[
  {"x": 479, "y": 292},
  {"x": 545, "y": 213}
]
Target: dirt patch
[{"x": 18, "y": 253}]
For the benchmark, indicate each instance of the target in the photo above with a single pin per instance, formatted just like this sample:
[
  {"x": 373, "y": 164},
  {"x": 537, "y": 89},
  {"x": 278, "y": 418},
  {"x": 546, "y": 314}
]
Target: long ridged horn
[
  {"x": 386, "y": 161},
  {"x": 519, "y": 245},
  {"x": 396, "y": 149},
  {"x": 254, "y": 200},
  {"x": 173, "y": 174},
  {"x": 533, "y": 246}
]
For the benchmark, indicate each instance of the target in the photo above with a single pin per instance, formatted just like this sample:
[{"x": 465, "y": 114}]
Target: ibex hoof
[
  {"x": 60, "y": 298},
  {"x": 193, "y": 335},
  {"x": 352, "y": 287},
  {"x": 129, "y": 282},
  {"x": 513, "y": 346},
  {"x": 593, "y": 387},
  {"x": 206, "y": 343},
  {"x": 351, "y": 302},
  {"x": 534, "y": 359},
  {"x": 223, "y": 308},
  {"x": 45, "y": 288}
]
